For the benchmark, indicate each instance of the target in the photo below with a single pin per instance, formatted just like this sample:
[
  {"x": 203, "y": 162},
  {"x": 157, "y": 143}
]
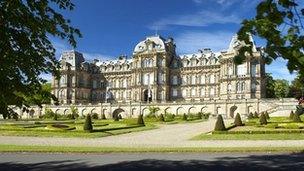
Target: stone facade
[{"x": 155, "y": 75}]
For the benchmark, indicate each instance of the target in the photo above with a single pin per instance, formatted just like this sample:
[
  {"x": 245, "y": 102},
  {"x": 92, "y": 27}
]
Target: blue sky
[{"x": 113, "y": 27}]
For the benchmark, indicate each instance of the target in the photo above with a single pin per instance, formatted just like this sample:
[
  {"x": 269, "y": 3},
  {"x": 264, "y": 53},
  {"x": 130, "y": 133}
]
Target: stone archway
[
  {"x": 66, "y": 111},
  {"x": 203, "y": 109},
  {"x": 232, "y": 110},
  {"x": 118, "y": 113},
  {"x": 147, "y": 96},
  {"x": 191, "y": 110},
  {"x": 133, "y": 111},
  {"x": 57, "y": 111},
  {"x": 145, "y": 111},
  {"x": 167, "y": 110},
  {"x": 93, "y": 111},
  {"x": 83, "y": 112},
  {"x": 180, "y": 111}
]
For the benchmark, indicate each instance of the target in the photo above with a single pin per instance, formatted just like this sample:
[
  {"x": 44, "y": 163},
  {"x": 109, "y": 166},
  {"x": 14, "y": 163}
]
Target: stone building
[{"x": 156, "y": 76}]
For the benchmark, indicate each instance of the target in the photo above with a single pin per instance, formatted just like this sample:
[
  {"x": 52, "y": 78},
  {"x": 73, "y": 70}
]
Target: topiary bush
[
  {"x": 256, "y": 115},
  {"x": 116, "y": 117},
  {"x": 291, "y": 115},
  {"x": 300, "y": 110},
  {"x": 185, "y": 117},
  {"x": 263, "y": 119},
  {"x": 94, "y": 116},
  {"x": 88, "y": 124},
  {"x": 250, "y": 116},
  {"x": 103, "y": 116},
  {"x": 140, "y": 120},
  {"x": 119, "y": 116},
  {"x": 55, "y": 118},
  {"x": 267, "y": 115},
  {"x": 296, "y": 118},
  {"x": 161, "y": 118},
  {"x": 219, "y": 125},
  {"x": 238, "y": 120}
]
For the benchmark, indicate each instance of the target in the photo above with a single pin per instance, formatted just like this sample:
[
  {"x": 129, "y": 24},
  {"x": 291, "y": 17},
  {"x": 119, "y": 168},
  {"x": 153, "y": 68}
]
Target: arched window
[
  {"x": 203, "y": 79},
  {"x": 184, "y": 93},
  {"x": 229, "y": 87},
  {"x": 243, "y": 88},
  {"x": 212, "y": 92},
  {"x": 184, "y": 81},
  {"x": 160, "y": 78},
  {"x": 174, "y": 92},
  {"x": 230, "y": 70},
  {"x": 241, "y": 69}
]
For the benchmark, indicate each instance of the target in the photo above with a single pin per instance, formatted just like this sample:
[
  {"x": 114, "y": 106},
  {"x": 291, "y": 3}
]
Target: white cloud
[
  {"x": 91, "y": 56},
  {"x": 190, "y": 42},
  {"x": 198, "y": 1},
  {"x": 202, "y": 18}
]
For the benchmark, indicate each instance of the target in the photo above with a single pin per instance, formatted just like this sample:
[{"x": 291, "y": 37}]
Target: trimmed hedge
[
  {"x": 88, "y": 124},
  {"x": 250, "y": 116},
  {"x": 263, "y": 119},
  {"x": 238, "y": 120},
  {"x": 185, "y": 117},
  {"x": 291, "y": 115},
  {"x": 267, "y": 115},
  {"x": 260, "y": 132},
  {"x": 103, "y": 117},
  {"x": 296, "y": 118},
  {"x": 140, "y": 120},
  {"x": 219, "y": 125},
  {"x": 256, "y": 115},
  {"x": 161, "y": 118}
]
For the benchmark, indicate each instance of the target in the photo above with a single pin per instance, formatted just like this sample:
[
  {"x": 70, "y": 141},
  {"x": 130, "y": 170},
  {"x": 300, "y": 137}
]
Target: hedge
[{"x": 260, "y": 132}]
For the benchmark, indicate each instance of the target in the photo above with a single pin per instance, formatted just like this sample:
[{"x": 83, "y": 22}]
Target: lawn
[
  {"x": 43, "y": 128},
  {"x": 277, "y": 128}
]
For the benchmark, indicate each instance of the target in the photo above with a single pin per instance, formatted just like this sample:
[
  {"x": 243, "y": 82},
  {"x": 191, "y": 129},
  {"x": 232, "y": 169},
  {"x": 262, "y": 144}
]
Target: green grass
[
  {"x": 249, "y": 137},
  {"x": 62, "y": 149}
]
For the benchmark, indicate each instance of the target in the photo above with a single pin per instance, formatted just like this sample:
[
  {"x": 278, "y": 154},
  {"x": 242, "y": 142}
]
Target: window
[
  {"x": 253, "y": 69},
  {"x": 175, "y": 64},
  {"x": 229, "y": 87},
  {"x": 202, "y": 92},
  {"x": 174, "y": 92},
  {"x": 148, "y": 79},
  {"x": 160, "y": 62},
  {"x": 174, "y": 80},
  {"x": 253, "y": 87},
  {"x": 212, "y": 92},
  {"x": 193, "y": 92},
  {"x": 193, "y": 79},
  {"x": 125, "y": 83},
  {"x": 184, "y": 93},
  {"x": 203, "y": 79},
  {"x": 241, "y": 69},
  {"x": 94, "y": 84},
  {"x": 184, "y": 81},
  {"x": 212, "y": 79},
  {"x": 160, "y": 78},
  {"x": 230, "y": 70}
]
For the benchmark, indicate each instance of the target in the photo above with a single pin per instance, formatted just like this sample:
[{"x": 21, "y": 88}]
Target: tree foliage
[
  {"x": 280, "y": 23},
  {"x": 88, "y": 124},
  {"x": 281, "y": 88},
  {"x": 26, "y": 50}
]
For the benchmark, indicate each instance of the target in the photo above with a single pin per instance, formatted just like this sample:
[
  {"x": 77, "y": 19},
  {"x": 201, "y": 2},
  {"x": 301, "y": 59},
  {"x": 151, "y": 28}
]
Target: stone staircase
[{"x": 280, "y": 107}]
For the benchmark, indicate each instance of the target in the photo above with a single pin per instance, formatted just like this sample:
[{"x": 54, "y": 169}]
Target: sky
[{"x": 113, "y": 27}]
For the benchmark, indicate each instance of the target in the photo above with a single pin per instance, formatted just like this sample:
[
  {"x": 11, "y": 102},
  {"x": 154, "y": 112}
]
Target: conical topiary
[
  {"x": 219, "y": 125},
  {"x": 256, "y": 115},
  {"x": 238, "y": 120},
  {"x": 55, "y": 118},
  {"x": 291, "y": 115},
  {"x": 161, "y": 118},
  {"x": 267, "y": 115},
  {"x": 185, "y": 117},
  {"x": 263, "y": 120},
  {"x": 116, "y": 117},
  {"x": 250, "y": 116},
  {"x": 140, "y": 120},
  {"x": 103, "y": 116},
  {"x": 88, "y": 124},
  {"x": 296, "y": 118}
]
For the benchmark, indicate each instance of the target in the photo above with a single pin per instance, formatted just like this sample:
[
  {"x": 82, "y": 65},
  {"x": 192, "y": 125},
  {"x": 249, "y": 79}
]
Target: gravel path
[{"x": 175, "y": 135}]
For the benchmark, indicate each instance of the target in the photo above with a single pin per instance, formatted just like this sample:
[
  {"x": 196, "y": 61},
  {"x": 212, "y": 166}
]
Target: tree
[
  {"x": 219, "y": 125},
  {"x": 88, "y": 124},
  {"x": 26, "y": 50},
  {"x": 269, "y": 86},
  {"x": 281, "y": 88},
  {"x": 280, "y": 23},
  {"x": 296, "y": 89}
]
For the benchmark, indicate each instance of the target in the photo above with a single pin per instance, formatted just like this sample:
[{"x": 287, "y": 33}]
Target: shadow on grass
[{"x": 251, "y": 162}]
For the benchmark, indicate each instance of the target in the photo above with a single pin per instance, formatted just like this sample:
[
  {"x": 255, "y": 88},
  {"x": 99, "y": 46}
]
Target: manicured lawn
[
  {"x": 43, "y": 128},
  {"x": 61, "y": 149}
]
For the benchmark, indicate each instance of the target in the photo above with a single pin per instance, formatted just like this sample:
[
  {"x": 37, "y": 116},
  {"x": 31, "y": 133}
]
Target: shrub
[
  {"x": 250, "y": 116},
  {"x": 169, "y": 117},
  {"x": 55, "y": 118},
  {"x": 103, "y": 116},
  {"x": 200, "y": 115},
  {"x": 185, "y": 117},
  {"x": 238, "y": 120},
  {"x": 263, "y": 120},
  {"x": 256, "y": 115},
  {"x": 88, "y": 124},
  {"x": 291, "y": 115},
  {"x": 94, "y": 116},
  {"x": 219, "y": 125},
  {"x": 74, "y": 112},
  {"x": 116, "y": 117},
  {"x": 140, "y": 120},
  {"x": 161, "y": 118},
  {"x": 300, "y": 110},
  {"x": 48, "y": 114},
  {"x": 296, "y": 118},
  {"x": 267, "y": 115}
]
